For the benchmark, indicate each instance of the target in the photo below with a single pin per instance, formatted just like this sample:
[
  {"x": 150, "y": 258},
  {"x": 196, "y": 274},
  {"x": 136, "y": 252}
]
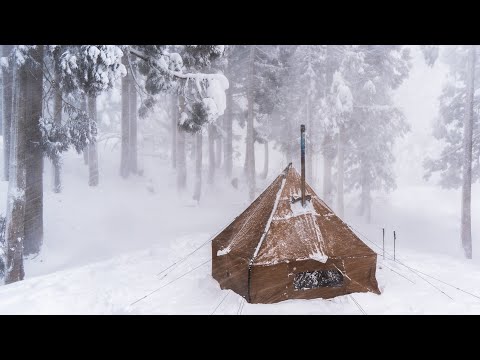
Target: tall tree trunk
[
  {"x": 57, "y": 118},
  {"x": 92, "y": 147},
  {"x": 228, "y": 128},
  {"x": 250, "y": 151},
  {"x": 181, "y": 151},
  {"x": 34, "y": 160},
  {"x": 83, "y": 107},
  {"x": 174, "y": 130},
  {"x": 265, "y": 161},
  {"x": 125, "y": 124},
  {"x": 467, "y": 157},
  {"x": 15, "y": 217},
  {"x": 218, "y": 152},
  {"x": 133, "y": 127},
  {"x": 211, "y": 153},
  {"x": 7, "y": 104},
  {"x": 340, "y": 169},
  {"x": 198, "y": 166}
]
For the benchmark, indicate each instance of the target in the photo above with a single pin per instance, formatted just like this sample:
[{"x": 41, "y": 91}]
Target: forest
[{"x": 218, "y": 123}]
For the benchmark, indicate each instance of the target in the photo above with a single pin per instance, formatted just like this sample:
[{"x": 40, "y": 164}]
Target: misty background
[{"x": 149, "y": 148}]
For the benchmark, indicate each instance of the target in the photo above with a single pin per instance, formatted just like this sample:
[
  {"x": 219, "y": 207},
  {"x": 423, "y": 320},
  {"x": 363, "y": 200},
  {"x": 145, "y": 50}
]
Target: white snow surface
[{"x": 104, "y": 248}]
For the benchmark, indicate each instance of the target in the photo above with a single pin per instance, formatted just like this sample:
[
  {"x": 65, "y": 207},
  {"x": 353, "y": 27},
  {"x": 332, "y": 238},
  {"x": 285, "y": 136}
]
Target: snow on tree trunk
[
  {"x": 125, "y": 124},
  {"x": 133, "y": 162},
  {"x": 250, "y": 151},
  {"x": 181, "y": 152},
  {"x": 198, "y": 166},
  {"x": 92, "y": 146},
  {"x": 15, "y": 216},
  {"x": 174, "y": 130},
  {"x": 34, "y": 159},
  {"x": 265, "y": 161},
  {"x": 228, "y": 128},
  {"x": 57, "y": 118},
  {"x": 467, "y": 157},
  {"x": 211, "y": 153},
  {"x": 7, "y": 100},
  {"x": 340, "y": 171},
  {"x": 218, "y": 152}
]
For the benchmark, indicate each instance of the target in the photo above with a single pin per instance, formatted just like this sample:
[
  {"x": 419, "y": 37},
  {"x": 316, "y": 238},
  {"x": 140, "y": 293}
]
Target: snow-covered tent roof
[{"x": 274, "y": 230}]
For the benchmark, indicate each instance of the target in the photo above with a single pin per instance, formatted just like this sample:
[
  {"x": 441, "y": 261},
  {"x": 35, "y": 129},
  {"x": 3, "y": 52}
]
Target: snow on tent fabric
[{"x": 277, "y": 250}]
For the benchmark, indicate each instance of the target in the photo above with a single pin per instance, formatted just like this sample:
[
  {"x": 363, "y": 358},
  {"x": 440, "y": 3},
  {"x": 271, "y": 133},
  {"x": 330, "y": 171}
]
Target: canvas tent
[{"x": 278, "y": 250}]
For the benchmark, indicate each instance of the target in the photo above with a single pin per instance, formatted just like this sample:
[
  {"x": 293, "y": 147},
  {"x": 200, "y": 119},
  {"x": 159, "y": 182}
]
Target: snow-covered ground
[{"x": 105, "y": 247}]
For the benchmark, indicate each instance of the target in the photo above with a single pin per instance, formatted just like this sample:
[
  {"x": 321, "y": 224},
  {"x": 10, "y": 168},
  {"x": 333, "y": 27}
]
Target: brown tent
[{"x": 278, "y": 250}]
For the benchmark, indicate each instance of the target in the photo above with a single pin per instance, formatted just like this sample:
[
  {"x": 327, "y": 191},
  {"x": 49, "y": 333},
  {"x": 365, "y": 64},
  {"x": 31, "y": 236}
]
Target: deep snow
[{"x": 104, "y": 248}]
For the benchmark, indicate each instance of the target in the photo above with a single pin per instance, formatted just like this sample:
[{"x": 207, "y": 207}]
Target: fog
[{"x": 142, "y": 154}]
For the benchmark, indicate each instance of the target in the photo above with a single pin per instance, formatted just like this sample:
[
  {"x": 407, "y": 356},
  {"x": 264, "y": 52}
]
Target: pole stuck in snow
[{"x": 302, "y": 149}]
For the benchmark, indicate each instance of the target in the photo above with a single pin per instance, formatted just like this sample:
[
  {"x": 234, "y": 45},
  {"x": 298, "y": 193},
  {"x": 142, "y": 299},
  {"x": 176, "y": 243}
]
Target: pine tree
[
  {"x": 34, "y": 160},
  {"x": 457, "y": 127},
  {"x": 133, "y": 158},
  {"x": 171, "y": 69},
  {"x": 57, "y": 118},
  {"x": 125, "y": 125},
  {"x": 15, "y": 216},
  {"x": 376, "y": 122}
]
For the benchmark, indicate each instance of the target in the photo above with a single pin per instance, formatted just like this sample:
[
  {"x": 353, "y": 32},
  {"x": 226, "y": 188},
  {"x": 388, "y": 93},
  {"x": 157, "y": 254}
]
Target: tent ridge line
[{"x": 269, "y": 222}]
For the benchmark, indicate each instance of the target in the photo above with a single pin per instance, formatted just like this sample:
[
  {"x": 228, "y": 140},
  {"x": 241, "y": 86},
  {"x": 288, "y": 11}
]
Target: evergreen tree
[{"x": 457, "y": 127}]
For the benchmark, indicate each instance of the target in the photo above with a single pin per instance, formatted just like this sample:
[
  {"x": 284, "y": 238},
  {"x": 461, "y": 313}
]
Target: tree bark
[
  {"x": 34, "y": 160},
  {"x": 174, "y": 130},
  {"x": 228, "y": 128},
  {"x": 467, "y": 157},
  {"x": 250, "y": 151},
  {"x": 340, "y": 171},
  {"x": 92, "y": 147},
  {"x": 133, "y": 161},
  {"x": 211, "y": 153},
  {"x": 181, "y": 153},
  {"x": 15, "y": 217},
  {"x": 7, "y": 104},
  {"x": 57, "y": 118},
  {"x": 198, "y": 166},
  {"x": 125, "y": 124},
  {"x": 265, "y": 162}
]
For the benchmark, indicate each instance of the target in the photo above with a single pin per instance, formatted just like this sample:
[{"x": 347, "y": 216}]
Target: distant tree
[{"x": 457, "y": 127}]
